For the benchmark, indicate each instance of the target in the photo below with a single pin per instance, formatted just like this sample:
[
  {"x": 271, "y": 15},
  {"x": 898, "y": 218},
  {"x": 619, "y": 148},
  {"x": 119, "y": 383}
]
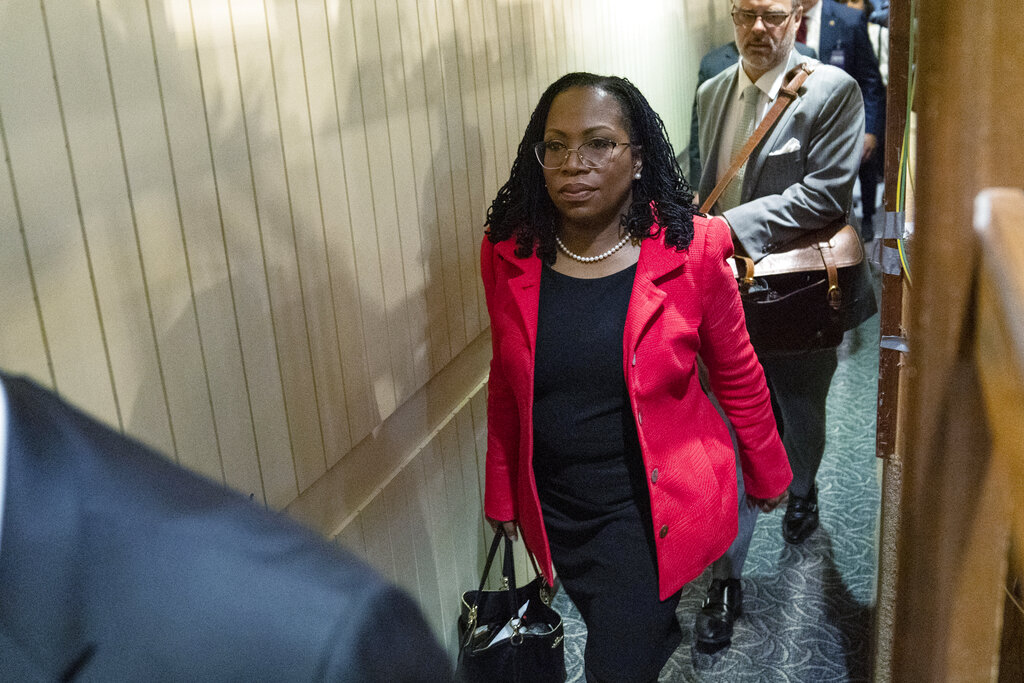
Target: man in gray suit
[
  {"x": 118, "y": 565},
  {"x": 711, "y": 64},
  {"x": 799, "y": 178}
]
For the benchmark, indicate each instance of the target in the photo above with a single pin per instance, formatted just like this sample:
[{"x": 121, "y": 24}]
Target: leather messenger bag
[{"x": 807, "y": 292}]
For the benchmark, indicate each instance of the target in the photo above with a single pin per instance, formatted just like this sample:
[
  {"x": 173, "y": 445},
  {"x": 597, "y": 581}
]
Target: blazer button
[
  {"x": 654, "y": 476},
  {"x": 664, "y": 531}
]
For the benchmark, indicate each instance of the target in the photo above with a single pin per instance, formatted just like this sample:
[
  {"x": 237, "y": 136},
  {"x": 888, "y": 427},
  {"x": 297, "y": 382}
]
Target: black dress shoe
[
  {"x": 721, "y": 608},
  {"x": 801, "y": 517}
]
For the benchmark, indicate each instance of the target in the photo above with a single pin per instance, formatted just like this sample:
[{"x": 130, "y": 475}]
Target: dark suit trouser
[
  {"x": 868, "y": 176},
  {"x": 798, "y": 384}
]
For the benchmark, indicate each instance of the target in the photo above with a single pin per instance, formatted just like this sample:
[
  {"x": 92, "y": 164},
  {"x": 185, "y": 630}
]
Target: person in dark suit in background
[
  {"x": 713, "y": 63},
  {"x": 840, "y": 35},
  {"x": 117, "y": 564}
]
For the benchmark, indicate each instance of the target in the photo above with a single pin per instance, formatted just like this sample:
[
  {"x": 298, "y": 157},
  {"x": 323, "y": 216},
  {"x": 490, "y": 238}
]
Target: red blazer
[{"x": 683, "y": 303}]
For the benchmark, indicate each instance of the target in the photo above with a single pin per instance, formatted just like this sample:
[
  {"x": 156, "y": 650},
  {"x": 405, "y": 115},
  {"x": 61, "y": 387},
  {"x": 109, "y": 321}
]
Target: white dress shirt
[{"x": 769, "y": 84}]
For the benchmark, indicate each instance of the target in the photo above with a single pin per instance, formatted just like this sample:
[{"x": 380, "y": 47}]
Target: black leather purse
[{"x": 511, "y": 635}]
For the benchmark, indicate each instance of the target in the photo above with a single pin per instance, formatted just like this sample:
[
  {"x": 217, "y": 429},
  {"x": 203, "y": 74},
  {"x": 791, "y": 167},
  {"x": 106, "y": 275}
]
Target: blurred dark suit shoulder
[{"x": 116, "y": 564}]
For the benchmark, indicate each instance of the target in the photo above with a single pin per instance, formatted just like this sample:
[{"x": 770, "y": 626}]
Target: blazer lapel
[
  {"x": 645, "y": 303},
  {"x": 773, "y": 137},
  {"x": 523, "y": 277},
  {"x": 720, "y": 100}
]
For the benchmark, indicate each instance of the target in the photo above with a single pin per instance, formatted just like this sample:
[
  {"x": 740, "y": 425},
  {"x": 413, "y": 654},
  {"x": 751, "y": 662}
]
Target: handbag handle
[
  {"x": 508, "y": 573},
  {"x": 787, "y": 93},
  {"x": 487, "y": 565}
]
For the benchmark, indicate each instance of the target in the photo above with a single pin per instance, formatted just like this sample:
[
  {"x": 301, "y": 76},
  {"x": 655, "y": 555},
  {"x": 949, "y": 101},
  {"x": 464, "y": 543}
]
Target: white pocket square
[{"x": 791, "y": 145}]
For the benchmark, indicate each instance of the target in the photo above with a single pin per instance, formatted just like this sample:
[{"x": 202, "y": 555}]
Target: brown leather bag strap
[
  {"x": 834, "y": 294},
  {"x": 787, "y": 93}
]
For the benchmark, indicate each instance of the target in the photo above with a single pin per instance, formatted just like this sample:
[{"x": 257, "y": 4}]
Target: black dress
[{"x": 590, "y": 478}]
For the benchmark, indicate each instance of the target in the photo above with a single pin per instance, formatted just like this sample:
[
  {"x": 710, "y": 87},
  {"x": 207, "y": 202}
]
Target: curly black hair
[{"x": 524, "y": 210}]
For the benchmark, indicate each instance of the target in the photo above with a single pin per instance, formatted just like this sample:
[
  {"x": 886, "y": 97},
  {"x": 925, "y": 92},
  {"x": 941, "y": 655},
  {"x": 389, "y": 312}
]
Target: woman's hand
[
  {"x": 767, "y": 504},
  {"x": 508, "y": 527}
]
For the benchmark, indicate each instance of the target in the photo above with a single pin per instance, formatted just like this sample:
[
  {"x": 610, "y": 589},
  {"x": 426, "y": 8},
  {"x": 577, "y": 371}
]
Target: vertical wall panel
[
  {"x": 440, "y": 534},
  {"x": 428, "y": 312},
  {"x": 327, "y": 125},
  {"x": 373, "y": 70},
  {"x": 404, "y": 523},
  {"x": 40, "y": 169},
  {"x": 24, "y": 341},
  {"x": 439, "y": 613},
  {"x": 355, "y": 141},
  {"x": 406, "y": 228},
  {"x": 377, "y": 539},
  {"x": 351, "y": 537},
  {"x": 478, "y": 186},
  {"x": 299, "y": 76},
  {"x": 108, "y": 223},
  {"x": 481, "y": 124},
  {"x": 261, "y": 211},
  {"x": 444, "y": 176},
  {"x": 222, "y": 260},
  {"x": 465, "y": 232},
  {"x": 149, "y": 181}
]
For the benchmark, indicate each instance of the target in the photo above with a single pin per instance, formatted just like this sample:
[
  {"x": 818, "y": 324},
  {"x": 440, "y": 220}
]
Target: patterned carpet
[{"x": 807, "y": 608}]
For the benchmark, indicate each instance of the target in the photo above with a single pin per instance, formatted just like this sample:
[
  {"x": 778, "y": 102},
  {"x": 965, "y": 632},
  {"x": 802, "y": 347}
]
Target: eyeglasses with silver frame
[
  {"x": 594, "y": 153},
  {"x": 771, "y": 19}
]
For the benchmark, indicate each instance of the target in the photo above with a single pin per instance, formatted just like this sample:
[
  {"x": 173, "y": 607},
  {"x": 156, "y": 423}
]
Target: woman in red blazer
[{"x": 603, "y": 285}]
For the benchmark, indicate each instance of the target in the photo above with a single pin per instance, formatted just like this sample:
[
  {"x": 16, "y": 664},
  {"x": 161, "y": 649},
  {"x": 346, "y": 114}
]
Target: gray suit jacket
[
  {"x": 118, "y": 565},
  {"x": 713, "y": 63},
  {"x": 785, "y": 194}
]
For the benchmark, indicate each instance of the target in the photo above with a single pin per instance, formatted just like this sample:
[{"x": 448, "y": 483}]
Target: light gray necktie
[{"x": 744, "y": 127}]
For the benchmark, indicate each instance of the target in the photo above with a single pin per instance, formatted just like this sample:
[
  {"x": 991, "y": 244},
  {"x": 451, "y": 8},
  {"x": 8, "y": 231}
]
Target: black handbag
[{"x": 510, "y": 635}]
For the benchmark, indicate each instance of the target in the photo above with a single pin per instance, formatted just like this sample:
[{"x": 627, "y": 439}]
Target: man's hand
[
  {"x": 508, "y": 527},
  {"x": 870, "y": 143}
]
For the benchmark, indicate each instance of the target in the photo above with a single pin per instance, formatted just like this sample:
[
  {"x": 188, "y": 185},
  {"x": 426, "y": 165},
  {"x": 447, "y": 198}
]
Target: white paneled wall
[{"x": 246, "y": 233}]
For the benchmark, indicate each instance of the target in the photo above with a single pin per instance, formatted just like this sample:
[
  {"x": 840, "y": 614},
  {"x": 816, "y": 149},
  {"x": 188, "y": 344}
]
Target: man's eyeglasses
[
  {"x": 771, "y": 19},
  {"x": 593, "y": 153}
]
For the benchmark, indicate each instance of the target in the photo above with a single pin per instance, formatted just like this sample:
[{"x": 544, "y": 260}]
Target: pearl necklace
[{"x": 591, "y": 259}]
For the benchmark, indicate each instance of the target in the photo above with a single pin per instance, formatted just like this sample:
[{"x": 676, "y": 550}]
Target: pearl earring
[{"x": 637, "y": 175}]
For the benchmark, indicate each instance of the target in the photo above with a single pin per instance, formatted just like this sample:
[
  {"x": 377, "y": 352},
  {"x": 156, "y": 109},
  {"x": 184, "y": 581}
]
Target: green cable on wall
[{"x": 904, "y": 166}]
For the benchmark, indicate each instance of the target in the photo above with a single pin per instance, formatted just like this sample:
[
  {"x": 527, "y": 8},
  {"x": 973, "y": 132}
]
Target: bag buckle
[{"x": 835, "y": 297}]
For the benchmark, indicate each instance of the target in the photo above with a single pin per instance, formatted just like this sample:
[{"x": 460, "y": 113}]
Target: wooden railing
[
  {"x": 959, "y": 608},
  {"x": 999, "y": 338},
  {"x": 956, "y": 580},
  {"x": 999, "y": 357}
]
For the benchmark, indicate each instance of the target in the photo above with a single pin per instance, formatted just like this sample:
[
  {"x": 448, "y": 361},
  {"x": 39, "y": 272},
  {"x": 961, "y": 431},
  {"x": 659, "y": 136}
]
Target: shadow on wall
[
  {"x": 265, "y": 298},
  {"x": 247, "y": 175}
]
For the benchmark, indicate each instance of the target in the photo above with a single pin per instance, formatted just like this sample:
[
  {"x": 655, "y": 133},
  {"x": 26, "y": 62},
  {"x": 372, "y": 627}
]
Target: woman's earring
[{"x": 637, "y": 175}]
